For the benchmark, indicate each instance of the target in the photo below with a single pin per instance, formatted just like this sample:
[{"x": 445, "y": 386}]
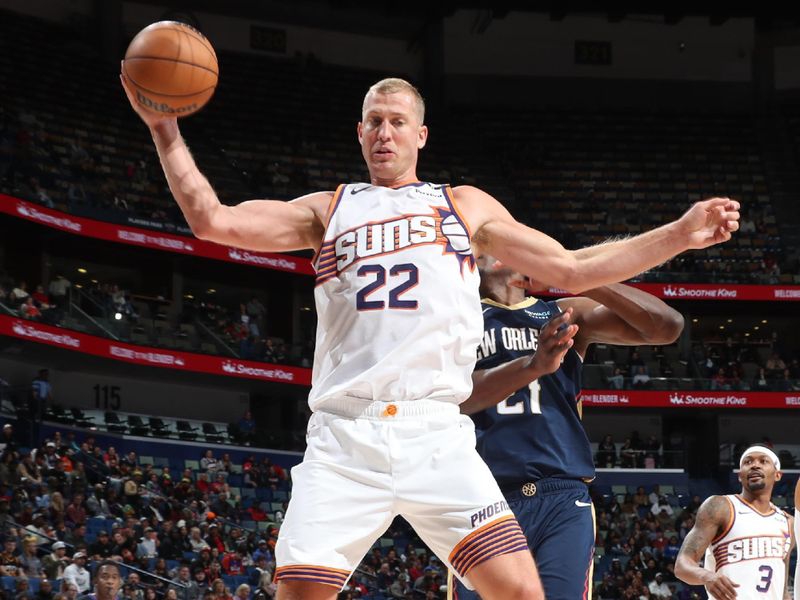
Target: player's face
[
  {"x": 758, "y": 472},
  {"x": 108, "y": 581},
  {"x": 391, "y": 137}
]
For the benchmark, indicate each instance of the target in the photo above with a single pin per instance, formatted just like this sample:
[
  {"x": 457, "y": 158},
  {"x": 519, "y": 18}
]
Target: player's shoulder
[{"x": 718, "y": 508}]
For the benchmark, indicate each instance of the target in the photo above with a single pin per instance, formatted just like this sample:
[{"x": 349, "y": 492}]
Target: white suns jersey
[
  {"x": 398, "y": 309},
  {"x": 751, "y": 552}
]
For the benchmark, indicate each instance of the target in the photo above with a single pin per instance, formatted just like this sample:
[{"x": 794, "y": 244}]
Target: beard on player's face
[{"x": 755, "y": 486}]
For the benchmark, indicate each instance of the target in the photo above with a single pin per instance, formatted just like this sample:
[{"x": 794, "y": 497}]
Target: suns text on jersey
[
  {"x": 512, "y": 338},
  {"x": 374, "y": 239},
  {"x": 755, "y": 547}
]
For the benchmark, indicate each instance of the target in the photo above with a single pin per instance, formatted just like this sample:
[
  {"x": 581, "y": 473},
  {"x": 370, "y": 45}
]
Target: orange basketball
[{"x": 171, "y": 68}]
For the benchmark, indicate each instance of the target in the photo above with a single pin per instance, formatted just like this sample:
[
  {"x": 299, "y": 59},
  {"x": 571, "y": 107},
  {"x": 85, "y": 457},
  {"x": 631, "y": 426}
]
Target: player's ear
[
  {"x": 778, "y": 475},
  {"x": 359, "y": 131},
  {"x": 422, "y": 136}
]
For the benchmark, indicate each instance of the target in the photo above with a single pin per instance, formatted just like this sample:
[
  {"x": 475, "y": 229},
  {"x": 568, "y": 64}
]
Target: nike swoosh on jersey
[
  {"x": 485, "y": 309},
  {"x": 579, "y": 503},
  {"x": 356, "y": 191}
]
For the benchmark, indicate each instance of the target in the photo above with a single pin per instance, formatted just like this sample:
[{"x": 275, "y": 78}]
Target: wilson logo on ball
[{"x": 163, "y": 106}]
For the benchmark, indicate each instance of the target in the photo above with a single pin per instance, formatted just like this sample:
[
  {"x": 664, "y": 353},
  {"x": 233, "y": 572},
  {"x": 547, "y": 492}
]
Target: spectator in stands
[
  {"x": 148, "y": 546},
  {"x": 606, "y": 452},
  {"x": 42, "y": 392},
  {"x": 720, "y": 381},
  {"x": 29, "y": 310},
  {"x": 627, "y": 455},
  {"x": 102, "y": 547},
  {"x": 617, "y": 380},
  {"x": 775, "y": 365},
  {"x": 184, "y": 586},
  {"x": 22, "y": 590},
  {"x": 18, "y": 294},
  {"x": 265, "y": 587},
  {"x": 45, "y": 590},
  {"x": 28, "y": 471},
  {"x": 247, "y": 427},
  {"x": 77, "y": 574},
  {"x": 59, "y": 288},
  {"x": 638, "y": 371},
  {"x": 242, "y": 592},
  {"x": 652, "y": 452},
  {"x": 76, "y": 513},
  {"x": 208, "y": 463},
  {"x": 219, "y": 591},
  {"x": 31, "y": 565},
  {"x": 54, "y": 563},
  {"x": 786, "y": 383},
  {"x": 658, "y": 589},
  {"x": 761, "y": 381}
]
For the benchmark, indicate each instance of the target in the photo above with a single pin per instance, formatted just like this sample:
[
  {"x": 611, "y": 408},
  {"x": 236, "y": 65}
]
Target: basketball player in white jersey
[
  {"x": 797, "y": 537},
  {"x": 399, "y": 321},
  {"x": 746, "y": 539}
]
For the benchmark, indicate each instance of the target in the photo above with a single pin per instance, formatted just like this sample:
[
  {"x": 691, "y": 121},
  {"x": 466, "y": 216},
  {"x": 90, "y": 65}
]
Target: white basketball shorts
[{"x": 367, "y": 463}]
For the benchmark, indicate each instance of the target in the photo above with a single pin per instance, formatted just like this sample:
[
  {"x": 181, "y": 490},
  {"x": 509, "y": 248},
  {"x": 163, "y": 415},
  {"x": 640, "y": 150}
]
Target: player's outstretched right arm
[
  {"x": 263, "y": 225},
  {"x": 713, "y": 518}
]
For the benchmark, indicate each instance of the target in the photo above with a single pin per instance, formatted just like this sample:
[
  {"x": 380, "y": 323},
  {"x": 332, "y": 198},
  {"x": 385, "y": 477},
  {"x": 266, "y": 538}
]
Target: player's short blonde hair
[{"x": 393, "y": 85}]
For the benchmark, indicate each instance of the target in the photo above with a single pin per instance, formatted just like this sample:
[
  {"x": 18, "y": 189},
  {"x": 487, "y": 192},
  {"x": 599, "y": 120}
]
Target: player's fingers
[
  {"x": 733, "y": 225},
  {"x": 733, "y": 205},
  {"x": 712, "y": 203}
]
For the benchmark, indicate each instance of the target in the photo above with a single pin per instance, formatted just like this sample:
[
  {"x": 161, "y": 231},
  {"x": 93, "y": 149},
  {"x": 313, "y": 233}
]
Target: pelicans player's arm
[
  {"x": 261, "y": 225},
  {"x": 623, "y": 315},
  {"x": 491, "y": 386},
  {"x": 496, "y": 232},
  {"x": 713, "y": 518}
]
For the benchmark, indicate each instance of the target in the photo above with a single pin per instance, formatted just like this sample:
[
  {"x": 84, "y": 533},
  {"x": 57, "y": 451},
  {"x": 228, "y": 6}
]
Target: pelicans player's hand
[{"x": 555, "y": 339}]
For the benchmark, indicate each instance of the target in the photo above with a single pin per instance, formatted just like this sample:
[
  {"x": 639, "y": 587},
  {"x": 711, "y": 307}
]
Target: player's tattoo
[{"x": 712, "y": 518}]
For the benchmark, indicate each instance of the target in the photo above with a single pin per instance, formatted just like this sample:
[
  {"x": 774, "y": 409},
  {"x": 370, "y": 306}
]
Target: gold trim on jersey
[
  {"x": 530, "y": 301},
  {"x": 773, "y": 510}
]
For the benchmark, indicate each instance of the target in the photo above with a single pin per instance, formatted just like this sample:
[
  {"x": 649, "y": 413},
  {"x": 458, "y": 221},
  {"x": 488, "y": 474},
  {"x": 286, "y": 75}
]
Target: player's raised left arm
[
  {"x": 621, "y": 314},
  {"x": 531, "y": 252}
]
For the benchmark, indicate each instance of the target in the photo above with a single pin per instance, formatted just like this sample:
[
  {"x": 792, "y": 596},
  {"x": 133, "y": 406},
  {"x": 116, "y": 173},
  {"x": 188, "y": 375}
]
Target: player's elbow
[
  {"x": 668, "y": 328},
  {"x": 680, "y": 569}
]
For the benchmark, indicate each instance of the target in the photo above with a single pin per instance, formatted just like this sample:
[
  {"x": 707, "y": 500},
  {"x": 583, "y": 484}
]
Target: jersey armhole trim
[
  {"x": 451, "y": 200},
  {"x": 731, "y": 521},
  {"x": 332, "y": 206}
]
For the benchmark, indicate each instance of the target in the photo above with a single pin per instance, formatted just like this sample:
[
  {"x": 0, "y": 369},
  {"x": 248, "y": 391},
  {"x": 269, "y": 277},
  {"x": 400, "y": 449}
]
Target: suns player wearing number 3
[
  {"x": 527, "y": 413},
  {"x": 747, "y": 540},
  {"x": 399, "y": 319}
]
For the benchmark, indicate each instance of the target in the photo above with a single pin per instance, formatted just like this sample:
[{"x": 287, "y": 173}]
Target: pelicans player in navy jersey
[
  {"x": 745, "y": 538},
  {"x": 398, "y": 323},
  {"x": 527, "y": 413}
]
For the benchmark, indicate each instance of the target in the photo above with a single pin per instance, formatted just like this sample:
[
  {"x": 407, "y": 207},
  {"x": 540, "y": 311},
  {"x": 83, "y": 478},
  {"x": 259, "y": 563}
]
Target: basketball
[{"x": 171, "y": 68}]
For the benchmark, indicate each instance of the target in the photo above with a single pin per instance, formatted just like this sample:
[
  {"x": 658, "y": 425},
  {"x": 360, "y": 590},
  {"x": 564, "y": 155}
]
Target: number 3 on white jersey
[{"x": 504, "y": 408}]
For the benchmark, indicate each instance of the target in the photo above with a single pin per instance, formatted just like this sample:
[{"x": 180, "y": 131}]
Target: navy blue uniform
[{"x": 537, "y": 449}]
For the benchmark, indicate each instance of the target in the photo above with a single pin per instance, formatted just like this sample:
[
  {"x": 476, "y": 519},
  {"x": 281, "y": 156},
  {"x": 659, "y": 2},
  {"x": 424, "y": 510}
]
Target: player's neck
[
  {"x": 503, "y": 294},
  {"x": 395, "y": 182},
  {"x": 761, "y": 501}
]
